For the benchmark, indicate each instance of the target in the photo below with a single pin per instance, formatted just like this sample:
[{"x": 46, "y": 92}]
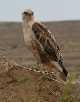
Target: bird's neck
[
  {"x": 27, "y": 30},
  {"x": 29, "y": 22}
]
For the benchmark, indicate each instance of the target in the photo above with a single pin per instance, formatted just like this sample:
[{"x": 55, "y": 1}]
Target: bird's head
[{"x": 28, "y": 15}]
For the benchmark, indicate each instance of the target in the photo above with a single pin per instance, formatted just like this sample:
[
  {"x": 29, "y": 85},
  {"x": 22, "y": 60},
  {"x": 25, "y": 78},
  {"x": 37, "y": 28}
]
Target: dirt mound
[{"x": 18, "y": 84}]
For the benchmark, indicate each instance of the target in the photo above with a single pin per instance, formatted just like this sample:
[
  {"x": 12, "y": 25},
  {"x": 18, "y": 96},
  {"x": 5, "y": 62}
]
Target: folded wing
[{"x": 48, "y": 44}]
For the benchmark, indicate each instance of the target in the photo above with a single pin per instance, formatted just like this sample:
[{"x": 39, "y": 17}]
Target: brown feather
[{"x": 48, "y": 49}]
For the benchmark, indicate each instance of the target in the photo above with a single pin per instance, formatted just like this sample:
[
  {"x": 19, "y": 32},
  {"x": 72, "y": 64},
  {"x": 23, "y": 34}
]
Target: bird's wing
[
  {"x": 48, "y": 44},
  {"x": 47, "y": 41}
]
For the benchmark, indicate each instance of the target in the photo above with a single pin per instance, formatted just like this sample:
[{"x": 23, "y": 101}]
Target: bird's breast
[{"x": 27, "y": 35}]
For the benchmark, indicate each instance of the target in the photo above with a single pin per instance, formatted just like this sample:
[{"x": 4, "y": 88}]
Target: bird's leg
[{"x": 35, "y": 51}]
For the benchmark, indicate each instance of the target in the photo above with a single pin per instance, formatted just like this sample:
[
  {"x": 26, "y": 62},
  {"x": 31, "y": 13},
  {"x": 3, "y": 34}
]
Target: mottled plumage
[
  {"x": 48, "y": 45},
  {"x": 43, "y": 41}
]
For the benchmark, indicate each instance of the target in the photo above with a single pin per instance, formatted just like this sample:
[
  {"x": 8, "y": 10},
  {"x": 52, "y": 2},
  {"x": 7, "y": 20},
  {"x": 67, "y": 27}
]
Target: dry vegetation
[{"x": 19, "y": 84}]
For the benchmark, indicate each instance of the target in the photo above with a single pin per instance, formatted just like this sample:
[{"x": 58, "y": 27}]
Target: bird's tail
[
  {"x": 65, "y": 72},
  {"x": 60, "y": 67}
]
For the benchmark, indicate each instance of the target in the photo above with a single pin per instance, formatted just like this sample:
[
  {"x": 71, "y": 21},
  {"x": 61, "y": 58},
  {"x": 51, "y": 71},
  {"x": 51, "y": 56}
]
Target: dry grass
[
  {"x": 17, "y": 84},
  {"x": 70, "y": 92}
]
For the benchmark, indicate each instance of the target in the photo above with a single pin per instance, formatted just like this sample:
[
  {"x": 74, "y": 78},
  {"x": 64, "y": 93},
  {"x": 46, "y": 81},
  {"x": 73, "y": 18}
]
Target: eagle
[{"x": 43, "y": 44}]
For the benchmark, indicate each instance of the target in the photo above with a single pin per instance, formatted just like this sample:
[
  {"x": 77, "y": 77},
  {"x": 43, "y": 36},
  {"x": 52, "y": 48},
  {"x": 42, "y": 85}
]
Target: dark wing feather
[
  {"x": 48, "y": 43},
  {"x": 44, "y": 37}
]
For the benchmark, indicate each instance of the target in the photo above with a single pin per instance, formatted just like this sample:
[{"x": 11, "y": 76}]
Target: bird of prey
[{"x": 43, "y": 42}]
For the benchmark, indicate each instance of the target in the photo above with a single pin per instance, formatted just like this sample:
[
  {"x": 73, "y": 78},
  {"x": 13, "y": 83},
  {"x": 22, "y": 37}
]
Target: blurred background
[{"x": 45, "y": 10}]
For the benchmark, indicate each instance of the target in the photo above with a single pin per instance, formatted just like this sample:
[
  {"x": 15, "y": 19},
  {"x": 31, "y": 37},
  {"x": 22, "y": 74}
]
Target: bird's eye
[{"x": 25, "y": 13}]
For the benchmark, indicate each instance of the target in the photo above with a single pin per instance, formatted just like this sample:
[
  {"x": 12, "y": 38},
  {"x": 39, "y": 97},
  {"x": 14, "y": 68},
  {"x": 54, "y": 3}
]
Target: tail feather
[
  {"x": 64, "y": 69},
  {"x": 60, "y": 67}
]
